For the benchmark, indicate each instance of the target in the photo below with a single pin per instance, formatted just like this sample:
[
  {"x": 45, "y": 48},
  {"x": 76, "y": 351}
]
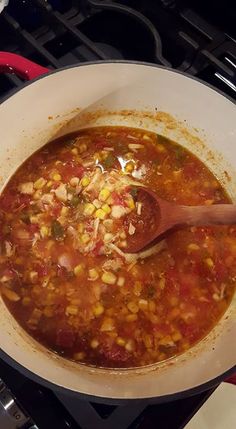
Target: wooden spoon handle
[{"x": 221, "y": 214}]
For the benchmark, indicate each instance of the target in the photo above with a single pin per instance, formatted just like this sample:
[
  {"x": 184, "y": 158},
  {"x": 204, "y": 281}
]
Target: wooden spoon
[{"x": 158, "y": 216}]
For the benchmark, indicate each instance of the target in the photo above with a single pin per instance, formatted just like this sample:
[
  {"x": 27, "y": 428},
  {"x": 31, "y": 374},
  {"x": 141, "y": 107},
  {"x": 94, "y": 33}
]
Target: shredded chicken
[
  {"x": 61, "y": 192},
  {"x": 131, "y": 257},
  {"x": 26, "y": 188}
]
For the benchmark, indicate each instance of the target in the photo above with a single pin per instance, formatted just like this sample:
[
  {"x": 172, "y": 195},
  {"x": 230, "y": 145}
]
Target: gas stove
[{"x": 198, "y": 39}]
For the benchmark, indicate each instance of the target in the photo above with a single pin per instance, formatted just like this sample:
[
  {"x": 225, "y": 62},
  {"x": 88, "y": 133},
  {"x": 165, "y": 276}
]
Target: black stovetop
[
  {"x": 49, "y": 410},
  {"x": 192, "y": 36}
]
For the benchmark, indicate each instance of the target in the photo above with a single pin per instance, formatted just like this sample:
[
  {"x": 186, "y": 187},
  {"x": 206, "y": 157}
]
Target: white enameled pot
[{"x": 130, "y": 94}]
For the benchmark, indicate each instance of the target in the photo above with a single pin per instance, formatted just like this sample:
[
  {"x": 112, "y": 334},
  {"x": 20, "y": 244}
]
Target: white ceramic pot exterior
[{"x": 87, "y": 94}]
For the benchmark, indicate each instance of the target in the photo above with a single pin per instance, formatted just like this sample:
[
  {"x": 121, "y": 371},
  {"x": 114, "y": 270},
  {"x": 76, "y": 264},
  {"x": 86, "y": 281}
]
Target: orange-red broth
[{"x": 141, "y": 312}]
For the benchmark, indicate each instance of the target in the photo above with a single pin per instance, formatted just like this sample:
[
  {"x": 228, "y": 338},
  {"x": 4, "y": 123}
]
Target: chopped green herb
[
  {"x": 134, "y": 192},
  {"x": 75, "y": 201},
  {"x": 71, "y": 190},
  {"x": 180, "y": 154},
  {"x": 25, "y": 218},
  {"x": 109, "y": 161},
  {"x": 57, "y": 230},
  {"x": 151, "y": 291},
  {"x": 162, "y": 140}
]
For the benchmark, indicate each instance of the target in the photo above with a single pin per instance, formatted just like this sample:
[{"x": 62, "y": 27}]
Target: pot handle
[{"x": 22, "y": 67}]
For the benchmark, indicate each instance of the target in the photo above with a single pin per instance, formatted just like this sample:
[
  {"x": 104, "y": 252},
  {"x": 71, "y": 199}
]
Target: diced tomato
[
  {"x": 38, "y": 160},
  {"x": 114, "y": 353},
  {"x": 65, "y": 337},
  {"x": 97, "y": 248},
  {"x": 71, "y": 169},
  {"x": 118, "y": 200},
  {"x": 56, "y": 209},
  {"x": 33, "y": 228},
  {"x": 100, "y": 142},
  {"x": 42, "y": 270},
  {"x": 189, "y": 331}
]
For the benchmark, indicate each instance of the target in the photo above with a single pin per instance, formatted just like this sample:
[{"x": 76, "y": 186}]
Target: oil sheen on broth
[{"x": 64, "y": 273}]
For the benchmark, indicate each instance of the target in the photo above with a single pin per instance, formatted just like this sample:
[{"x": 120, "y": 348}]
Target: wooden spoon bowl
[{"x": 158, "y": 216}]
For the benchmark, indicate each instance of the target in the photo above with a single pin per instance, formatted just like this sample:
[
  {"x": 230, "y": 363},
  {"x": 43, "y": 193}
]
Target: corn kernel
[
  {"x": 129, "y": 167},
  {"x": 146, "y": 137},
  {"x": 160, "y": 147},
  {"x": 33, "y": 275},
  {"x": 39, "y": 184},
  {"x": 166, "y": 341},
  {"x": 131, "y": 318},
  {"x": 216, "y": 297},
  {"x": 56, "y": 177},
  {"x": 132, "y": 306},
  {"x": 120, "y": 281},
  {"x": 93, "y": 274},
  {"x": 85, "y": 238},
  {"x": 26, "y": 301},
  {"x": 64, "y": 211},
  {"x": 129, "y": 346},
  {"x": 80, "y": 228},
  {"x": 37, "y": 195},
  {"x": 85, "y": 181},
  {"x": 82, "y": 147},
  {"x": 44, "y": 231},
  {"x": 79, "y": 269},
  {"x": 107, "y": 325},
  {"x": 79, "y": 356},
  {"x": 130, "y": 203},
  {"x": 104, "y": 194},
  {"x": 123, "y": 235},
  {"x": 109, "y": 278},
  {"x": 49, "y": 184},
  {"x": 94, "y": 344},
  {"x": 137, "y": 284},
  {"x": 193, "y": 246},
  {"x": 106, "y": 208},
  {"x": 100, "y": 214},
  {"x": 74, "y": 151},
  {"x": 120, "y": 341},
  {"x": 208, "y": 202},
  {"x": 98, "y": 310},
  {"x": 176, "y": 336},
  {"x": 143, "y": 304},
  {"x": 71, "y": 310},
  {"x": 34, "y": 219},
  {"x": 108, "y": 237},
  {"x": 89, "y": 209},
  {"x": 209, "y": 262},
  {"x": 74, "y": 181}
]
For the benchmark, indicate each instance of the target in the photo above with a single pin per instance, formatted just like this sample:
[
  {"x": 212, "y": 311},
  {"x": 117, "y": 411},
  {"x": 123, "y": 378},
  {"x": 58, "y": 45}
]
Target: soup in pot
[{"x": 65, "y": 274}]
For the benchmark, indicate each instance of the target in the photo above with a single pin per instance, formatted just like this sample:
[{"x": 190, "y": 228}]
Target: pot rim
[
  {"x": 109, "y": 400},
  {"x": 93, "y": 63},
  {"x": 117, "y": 401}
]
